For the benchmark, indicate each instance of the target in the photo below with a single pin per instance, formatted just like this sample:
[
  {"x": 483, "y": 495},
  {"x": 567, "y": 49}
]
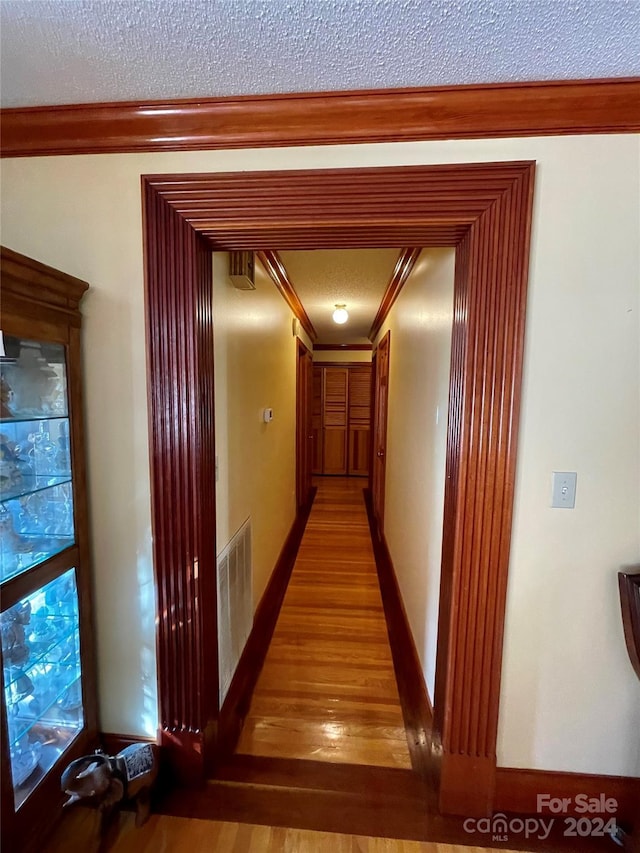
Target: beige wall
[
  {"x": 570, "y": 700},
  {"x": 420, "y": 323},
  {"x": 255, "y": 368},
  {"x": 342, "y": 356}
]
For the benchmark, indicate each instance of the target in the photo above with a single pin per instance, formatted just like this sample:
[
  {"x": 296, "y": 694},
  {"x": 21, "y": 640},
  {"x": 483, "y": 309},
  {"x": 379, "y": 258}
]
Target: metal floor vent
[{"x": 235, "y": 604}]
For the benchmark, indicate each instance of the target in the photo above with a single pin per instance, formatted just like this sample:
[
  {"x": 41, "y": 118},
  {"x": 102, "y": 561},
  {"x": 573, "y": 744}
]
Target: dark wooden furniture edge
[
  {"x": 416, "y": 705},
  {"x": 629, "y": 587},
  {"x": 278, "y": 274},
  {"x": 238, "y": 699},
  {"x": 325, "y": 118},
  {"x": 407, "y": 259},
  {"x": 517, "y": 791},
  {"x": 57, "y": 290}
]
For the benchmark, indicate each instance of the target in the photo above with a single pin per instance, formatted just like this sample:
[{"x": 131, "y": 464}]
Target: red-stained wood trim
[
  {"x": 272, "y": 263},
  {"x": 236, "y": 704},
  {"x": 414, "y": 697},
  {"x": 491, "y": 205},
  {"x": 326, "y": 118},
  {"x": 407, "y": 259},
  {"x": 342, "y": 347},
  {"x": 517, "y": 791},
  {"x": 178, "y": 279}
]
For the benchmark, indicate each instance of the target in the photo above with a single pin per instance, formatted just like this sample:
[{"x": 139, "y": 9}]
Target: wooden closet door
[
  {"x": 335, "y": 385},
  {"x": 359, "y": 420}
]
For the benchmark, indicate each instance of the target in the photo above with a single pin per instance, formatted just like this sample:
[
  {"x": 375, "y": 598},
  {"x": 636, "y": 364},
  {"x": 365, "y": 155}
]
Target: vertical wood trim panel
[
  {"x": 488, "y": 209},
  {"x": 480, "y": 484},
  {"x": 180, "y": 371}
]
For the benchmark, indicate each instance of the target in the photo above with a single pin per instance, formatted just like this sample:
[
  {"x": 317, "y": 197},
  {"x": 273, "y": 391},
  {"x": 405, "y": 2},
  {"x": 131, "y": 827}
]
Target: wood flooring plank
[
  {"x": 77, "y": 833},
  {"x": 327, "y": 689}
]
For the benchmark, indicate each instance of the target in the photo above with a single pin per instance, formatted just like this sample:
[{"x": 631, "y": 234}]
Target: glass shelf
[
  {"x": 33, "y": 451},
  {"x": 36, "y": 496},
  {"x": 33, "y": 418},
  {"x": 59, "y": 648},
  {"x": 32, "y": 484},
  {"x": 42, "y": 680},
  {"x": 34, "y": 527},
  {"x": 33, "y": 380}
]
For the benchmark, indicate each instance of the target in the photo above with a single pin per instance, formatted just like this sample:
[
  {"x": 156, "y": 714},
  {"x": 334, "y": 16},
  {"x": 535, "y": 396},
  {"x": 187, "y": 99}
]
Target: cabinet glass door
[
  {"x": 42, "y": 680},
  {"x": 36, "y": 498},
  {"x": 40, "y": 631}
]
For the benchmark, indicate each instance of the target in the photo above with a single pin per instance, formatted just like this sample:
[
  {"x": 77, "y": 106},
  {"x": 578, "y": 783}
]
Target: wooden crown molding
[
  {"x": 326, "y": 118},
  {"x": 407, "y": 260},
  {"x": 272, "y": 262}
]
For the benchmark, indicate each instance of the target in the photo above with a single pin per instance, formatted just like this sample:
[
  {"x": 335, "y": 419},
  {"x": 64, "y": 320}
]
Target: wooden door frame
[
  {"x": 385, "y": 341},
  {"x": 484, "y": 210},
  {"x": 303, "y": 427}
]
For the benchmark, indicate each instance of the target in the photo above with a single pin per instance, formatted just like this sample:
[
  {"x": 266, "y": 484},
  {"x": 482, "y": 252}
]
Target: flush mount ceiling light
[{"x": 340, "y": 315}]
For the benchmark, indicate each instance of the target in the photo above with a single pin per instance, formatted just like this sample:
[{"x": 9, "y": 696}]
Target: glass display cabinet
[{"x": 48, "y": 696}]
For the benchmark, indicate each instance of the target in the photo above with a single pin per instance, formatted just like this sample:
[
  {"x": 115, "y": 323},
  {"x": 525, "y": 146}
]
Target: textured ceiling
[
  {"x": 356, "y": 277},
  {"x": 76, "y": 51}
]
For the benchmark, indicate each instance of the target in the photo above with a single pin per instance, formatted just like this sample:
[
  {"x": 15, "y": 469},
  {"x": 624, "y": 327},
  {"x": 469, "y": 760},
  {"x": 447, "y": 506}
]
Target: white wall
[
  {"x": 255, "y": 368},
  {"x": 570, "y": 700},
  {"x": 420, "y": 323}
]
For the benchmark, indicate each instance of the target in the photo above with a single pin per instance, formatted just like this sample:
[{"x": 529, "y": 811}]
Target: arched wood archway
[{"x": 484, "y": 210}]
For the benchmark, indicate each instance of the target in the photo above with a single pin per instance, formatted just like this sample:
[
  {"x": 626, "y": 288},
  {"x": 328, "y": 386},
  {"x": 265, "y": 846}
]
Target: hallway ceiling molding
[
  {"x": 356, "y": 277},
  {"x": 86, "y": 52}
]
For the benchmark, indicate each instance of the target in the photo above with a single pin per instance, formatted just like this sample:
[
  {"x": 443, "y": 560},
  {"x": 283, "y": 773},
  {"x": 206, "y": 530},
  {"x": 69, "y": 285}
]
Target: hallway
[{"x": 327, "y": 691}]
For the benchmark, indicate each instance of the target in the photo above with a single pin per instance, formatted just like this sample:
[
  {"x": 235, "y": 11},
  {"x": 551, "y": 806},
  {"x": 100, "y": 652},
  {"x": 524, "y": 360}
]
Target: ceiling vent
[{"x": 242, "y": 270}]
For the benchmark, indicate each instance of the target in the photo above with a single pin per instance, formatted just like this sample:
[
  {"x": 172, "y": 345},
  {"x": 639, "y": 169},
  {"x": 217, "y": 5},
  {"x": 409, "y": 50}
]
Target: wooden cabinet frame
[
  {"x": 42, "y": 303},
  {"x": 482, "y": 209}
]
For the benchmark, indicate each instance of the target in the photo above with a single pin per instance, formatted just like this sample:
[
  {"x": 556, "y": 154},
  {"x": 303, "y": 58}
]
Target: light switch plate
[{"x": 564, "y": 489}]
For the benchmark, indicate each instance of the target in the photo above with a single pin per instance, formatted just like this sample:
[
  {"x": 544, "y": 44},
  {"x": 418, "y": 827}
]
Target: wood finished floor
[
  {"x": 327, "y": 691},
  {"x": 77, "y": 833},
  {"x": 323, "y": 763}
]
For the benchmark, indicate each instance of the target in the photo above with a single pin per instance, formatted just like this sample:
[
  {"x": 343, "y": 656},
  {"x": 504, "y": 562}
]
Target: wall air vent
[
  {"x": 242, "y": 270},
  {"x": 235, "y": 604}
]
